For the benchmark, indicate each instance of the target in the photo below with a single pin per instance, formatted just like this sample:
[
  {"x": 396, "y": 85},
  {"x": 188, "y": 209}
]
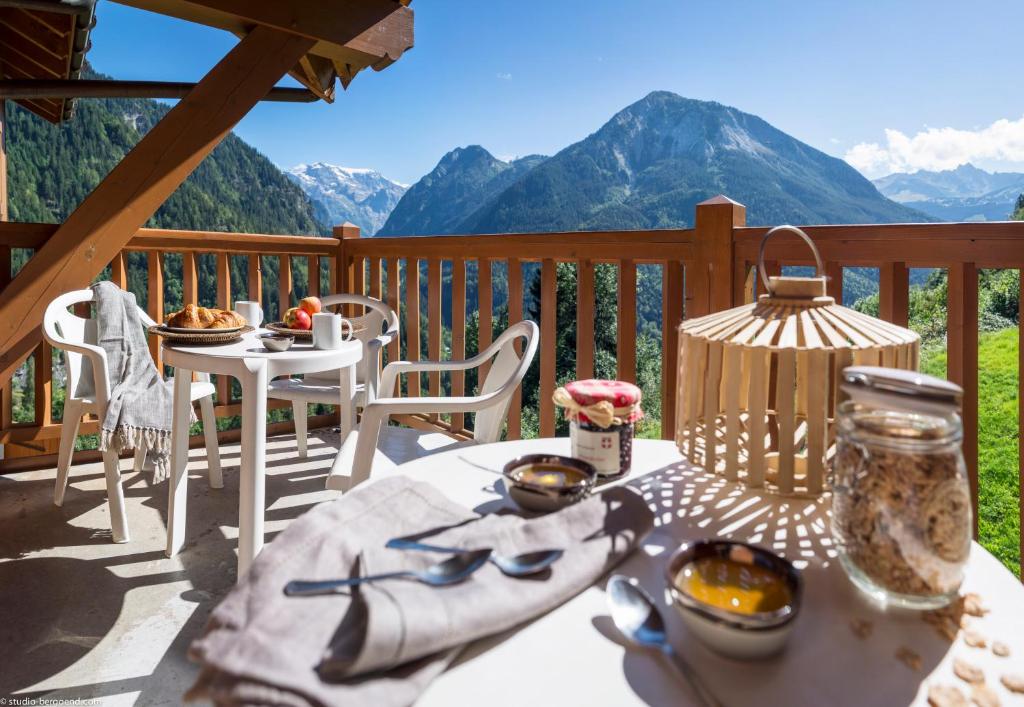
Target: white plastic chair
[
  {"x": 88, "y": 390},
  {"x": 379, "y": 326},
  {"x": 508, "y": 368}
]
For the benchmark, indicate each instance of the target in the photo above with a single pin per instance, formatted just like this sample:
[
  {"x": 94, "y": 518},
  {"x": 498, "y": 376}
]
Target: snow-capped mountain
[
  {"x": 962, "y": 194},
  {"x": 362, "y": 196}
]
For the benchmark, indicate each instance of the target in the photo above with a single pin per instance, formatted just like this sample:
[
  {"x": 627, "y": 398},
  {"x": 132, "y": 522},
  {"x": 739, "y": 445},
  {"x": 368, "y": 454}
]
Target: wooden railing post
[
  {"x": 894, "y": 293},
  {"x": 343, "y": 279},
  {"x": 713, "y": 272}
]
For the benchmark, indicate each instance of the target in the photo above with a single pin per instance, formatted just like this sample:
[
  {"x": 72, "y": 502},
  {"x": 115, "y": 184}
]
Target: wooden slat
[
  {"x": 434, "y": 322},
  {"x": 119, "y": 271},
  {"x": 548, "y": 345},
  {"x": 412, "y": 320},
  {"x": 515, "y": 315},
  {"x": 5, "y": 389},
  {"x": 155, "y": 299},
  {"x": 255, "y": 279},
  {"x": 485, "y": 297},
  {"x": 43, "y": 383},
  {"x": 962, "y": 362},
  {"x": 672, "y": 317},
  {"x": 313, "y": 266},
  {"x": 1020, "y": 424},
  {"x": 189, "y": 279},
  {"x": 284, "y": 285},
  {"x": 376, "y": 286},
  {"x": 894, "y": 293},
  {"x": 138, "y": 185},
  {"x": 458, "y": 421},
  {"x": 626, "y": 338},
  {"x": 394, "y": 301},
  {"x": 359, "y": 275},
  {"x": 224, "y": 301},
  {"x": 584, "y": 319},
  {"x": 834, "y": 284}
]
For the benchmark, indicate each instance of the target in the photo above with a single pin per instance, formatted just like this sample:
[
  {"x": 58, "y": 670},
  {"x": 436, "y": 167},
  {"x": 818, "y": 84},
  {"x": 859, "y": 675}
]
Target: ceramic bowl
[
  {"x": 544, "y": 498},
  {"x": 277, "y": 342},
  {"x": 733, "y": 634}
]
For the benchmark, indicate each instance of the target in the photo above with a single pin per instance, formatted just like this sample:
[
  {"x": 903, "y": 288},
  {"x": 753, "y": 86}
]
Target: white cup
[
  {"x": 330, "y": 331},
  {"x": 251, "y": 312}
]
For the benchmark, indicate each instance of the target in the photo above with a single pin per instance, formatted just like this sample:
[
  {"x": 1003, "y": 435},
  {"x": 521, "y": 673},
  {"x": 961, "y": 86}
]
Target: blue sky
[{"x": 889, "y": 85}]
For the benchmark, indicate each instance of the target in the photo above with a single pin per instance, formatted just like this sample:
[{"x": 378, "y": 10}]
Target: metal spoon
[
  {"x": 638, "y": 619},
  {"x": 513, "y": 565},
  {"x": 451, "y": 571}
]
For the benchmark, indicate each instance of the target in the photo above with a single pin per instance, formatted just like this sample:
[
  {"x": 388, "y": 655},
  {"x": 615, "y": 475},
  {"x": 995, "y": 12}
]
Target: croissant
[{"x": 193, "y": 317}]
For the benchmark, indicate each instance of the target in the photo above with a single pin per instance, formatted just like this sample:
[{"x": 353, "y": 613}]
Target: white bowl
[{"x": 744, "y": 636}]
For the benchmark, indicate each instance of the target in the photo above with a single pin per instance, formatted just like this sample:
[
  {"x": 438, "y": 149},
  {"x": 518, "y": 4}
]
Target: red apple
[
  {"x": 311, "y": 305},
  {"x": 302, "y": 320}
]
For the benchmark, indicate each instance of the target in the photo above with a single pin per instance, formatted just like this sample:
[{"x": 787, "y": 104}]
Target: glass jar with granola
[{"x": 901, "y": 504}]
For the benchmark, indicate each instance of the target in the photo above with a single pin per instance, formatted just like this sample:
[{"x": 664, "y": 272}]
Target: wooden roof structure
[
  {"x": 45, "y": 40},
  {"x": 42, "y": 50}
]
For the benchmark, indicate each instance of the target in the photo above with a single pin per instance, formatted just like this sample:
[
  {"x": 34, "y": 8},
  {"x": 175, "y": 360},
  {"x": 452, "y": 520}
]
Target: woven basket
[
  {"x": 201, "y": 336},
  {"x": 758, "y": 385}
]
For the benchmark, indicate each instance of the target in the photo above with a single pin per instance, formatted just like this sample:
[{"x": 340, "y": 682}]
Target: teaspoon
[
  {"x": 638, "y": 620},
  {"x": 451, "y": 571},
  {"x": 513, "y": 565}
]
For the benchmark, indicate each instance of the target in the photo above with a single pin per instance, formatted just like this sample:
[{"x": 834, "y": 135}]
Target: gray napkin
[{"x": 384, "y": 643}]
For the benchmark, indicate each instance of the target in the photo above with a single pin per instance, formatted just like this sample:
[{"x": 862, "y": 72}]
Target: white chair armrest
[
  {"x": 96, "y": 356},
  {"x": 386, "y": 407},
  {"x": 396, "y": 368},
  {"x": 146, "y": 319}
]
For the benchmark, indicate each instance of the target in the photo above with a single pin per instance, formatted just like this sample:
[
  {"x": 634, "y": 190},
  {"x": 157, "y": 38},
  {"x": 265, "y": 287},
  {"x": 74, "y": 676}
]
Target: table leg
[
  {"x": 251, "y": 474},
  {"x": 347, "y": 408},
  {"x": 177, "y": 484}
]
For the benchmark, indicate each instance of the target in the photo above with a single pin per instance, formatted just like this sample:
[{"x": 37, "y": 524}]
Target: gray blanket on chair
[{"x": 140, "y": 409}]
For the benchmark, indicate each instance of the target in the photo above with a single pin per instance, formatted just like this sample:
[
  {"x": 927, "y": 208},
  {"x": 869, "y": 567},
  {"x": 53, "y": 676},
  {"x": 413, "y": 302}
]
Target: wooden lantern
[{"x": 759, "y": 384}]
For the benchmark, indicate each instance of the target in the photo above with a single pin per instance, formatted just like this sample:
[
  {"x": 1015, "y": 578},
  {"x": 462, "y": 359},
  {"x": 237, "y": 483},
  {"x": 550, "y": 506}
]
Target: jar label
[{"x": 599, "y": 448}]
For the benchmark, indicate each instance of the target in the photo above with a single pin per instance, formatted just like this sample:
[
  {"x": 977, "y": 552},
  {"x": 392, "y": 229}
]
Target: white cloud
[
  {"x": 835, "y": 141},
  {"x": 940, "y": 148},
  {"x": 504, "y": 76}
]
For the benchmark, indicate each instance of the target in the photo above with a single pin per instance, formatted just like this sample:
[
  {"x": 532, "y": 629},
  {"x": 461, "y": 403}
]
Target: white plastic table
[
  {"x": 571, "y": 656},
  {"x": 254, "y": 367}
]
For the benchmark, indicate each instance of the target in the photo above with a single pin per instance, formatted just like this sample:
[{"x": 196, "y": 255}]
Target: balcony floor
[{"x": 81, "y": 617}]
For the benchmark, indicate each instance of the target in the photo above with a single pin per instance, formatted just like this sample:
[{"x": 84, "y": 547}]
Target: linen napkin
[{"x": 383, "y": 643}]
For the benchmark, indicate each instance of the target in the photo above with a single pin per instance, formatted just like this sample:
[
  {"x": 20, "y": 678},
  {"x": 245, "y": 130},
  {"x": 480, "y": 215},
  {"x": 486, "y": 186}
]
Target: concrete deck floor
[{"x": 81, "y": 617}]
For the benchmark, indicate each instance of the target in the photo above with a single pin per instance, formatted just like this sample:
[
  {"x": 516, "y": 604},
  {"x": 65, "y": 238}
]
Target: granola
[
  {"x": 946, "y": 696},
  {"x": 902, "y": 518}
]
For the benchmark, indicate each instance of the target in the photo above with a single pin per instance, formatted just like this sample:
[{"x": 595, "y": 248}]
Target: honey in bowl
[
  {"x": 550, "y": 475},
  {"x": 738, "y": 587}
]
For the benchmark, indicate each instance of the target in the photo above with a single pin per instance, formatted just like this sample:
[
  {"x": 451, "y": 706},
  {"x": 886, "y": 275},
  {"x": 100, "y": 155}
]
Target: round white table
[
  {"x": 254, "y": 367},
  {"x": 572, "y": 656}
]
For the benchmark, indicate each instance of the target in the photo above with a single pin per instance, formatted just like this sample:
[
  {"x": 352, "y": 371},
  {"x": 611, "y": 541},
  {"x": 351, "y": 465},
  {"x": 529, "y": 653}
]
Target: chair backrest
[
  {"x": 62, "y": 327},
  {"x": 508, "y": 368},
  {"x": 377, "y": 318}
]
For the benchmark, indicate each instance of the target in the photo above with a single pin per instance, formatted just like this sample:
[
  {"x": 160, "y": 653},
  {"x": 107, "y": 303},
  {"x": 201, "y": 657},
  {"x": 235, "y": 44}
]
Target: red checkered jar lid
[{"x": 600, "y": 402}]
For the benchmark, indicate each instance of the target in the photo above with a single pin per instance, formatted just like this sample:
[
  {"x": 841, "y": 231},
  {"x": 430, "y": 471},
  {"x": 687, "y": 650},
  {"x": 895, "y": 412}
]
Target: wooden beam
[
  {"x": 86, "y": 88},
  {"x": 381, "y": 29},
  {"x": 108, "y": 218},
  {"x": 3, "y": 161}
]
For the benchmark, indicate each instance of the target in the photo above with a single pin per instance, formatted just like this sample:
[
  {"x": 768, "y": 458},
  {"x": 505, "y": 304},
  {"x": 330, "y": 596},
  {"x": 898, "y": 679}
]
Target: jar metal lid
[{"x": 901, "y": 390}]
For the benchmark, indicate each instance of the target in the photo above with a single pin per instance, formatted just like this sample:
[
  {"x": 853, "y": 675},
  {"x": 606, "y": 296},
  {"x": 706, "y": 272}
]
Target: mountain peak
[{"x": 360, "y": 195}]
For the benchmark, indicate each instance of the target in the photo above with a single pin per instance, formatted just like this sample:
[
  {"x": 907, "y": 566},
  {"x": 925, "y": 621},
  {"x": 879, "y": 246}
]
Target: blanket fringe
[{"x": 157, "y": 444}]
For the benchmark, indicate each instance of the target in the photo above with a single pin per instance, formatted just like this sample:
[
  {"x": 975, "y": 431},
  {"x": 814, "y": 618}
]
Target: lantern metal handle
[{"x": 818, "y": 268}]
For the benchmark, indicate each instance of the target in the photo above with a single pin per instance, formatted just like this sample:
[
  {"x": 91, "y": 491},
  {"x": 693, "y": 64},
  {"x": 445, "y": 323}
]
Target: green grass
[{"x": 998, "y": 487}]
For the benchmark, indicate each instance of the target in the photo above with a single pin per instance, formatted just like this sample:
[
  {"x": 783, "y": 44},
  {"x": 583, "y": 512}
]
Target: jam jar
[
  {"x": 901, "y": 504},
  {"x": 601, "y": 414}
]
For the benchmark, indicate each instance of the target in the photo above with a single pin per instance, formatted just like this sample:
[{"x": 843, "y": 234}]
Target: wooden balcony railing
[
  {"x": 34, "y": 442},
  {"x": 428, "y": 281}
]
